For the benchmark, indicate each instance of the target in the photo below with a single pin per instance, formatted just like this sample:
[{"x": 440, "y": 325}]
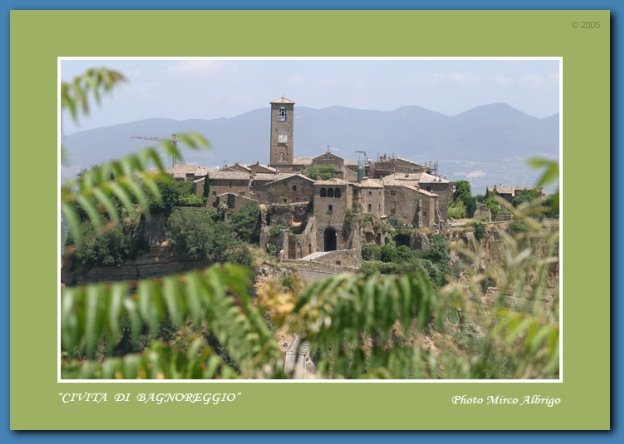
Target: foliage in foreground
[{"x": 497, "y": 320}]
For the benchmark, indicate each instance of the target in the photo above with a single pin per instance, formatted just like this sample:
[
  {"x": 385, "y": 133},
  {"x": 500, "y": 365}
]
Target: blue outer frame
[{"x": 617, "y": 418}]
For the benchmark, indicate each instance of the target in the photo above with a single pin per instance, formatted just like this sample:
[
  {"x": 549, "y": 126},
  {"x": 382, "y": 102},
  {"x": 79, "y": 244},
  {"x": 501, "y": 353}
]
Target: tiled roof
[
  {"x": 333, "y": 181},
  {"x": 328, "y": 155},
  {"x": 231, "y": 175},
  {"x": 401, "y": 178},
  {"x": 286, "y": 176},
  {"x": 369, "y": 183},
  {"x": 420, "y": 190},
  {"x": 302, "y": 161},
  {"x": 282, "y": 100},
  {"x": 180, "y": 170},
  {"x": 262, "y": 166},
  {"x": 236, "y": 166},
  {"x": 267, "y": 177}
]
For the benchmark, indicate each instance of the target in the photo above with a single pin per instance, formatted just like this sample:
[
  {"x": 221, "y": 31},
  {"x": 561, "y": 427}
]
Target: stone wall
[
  {"x": 290, "y": 190},
  {"x": 313, "y": 271},
  {"x": 444, "y": 190},
  {"x": 351, "y": 259},
  {"x": 159, "y": 262},
  {"x": 370, "y": 200},
  {"x": 300, "y": 245}
]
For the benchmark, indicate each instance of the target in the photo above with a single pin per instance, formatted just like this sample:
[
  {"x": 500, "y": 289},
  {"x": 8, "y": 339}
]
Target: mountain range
[{"x": 488, "y": 144}]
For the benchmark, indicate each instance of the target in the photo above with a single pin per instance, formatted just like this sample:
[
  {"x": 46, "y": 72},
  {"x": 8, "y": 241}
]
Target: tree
[
  {"x": 245, "y": 222},
  {"x": 200, "y": 234},
  {"x": 463, "y": 194},
  {"x": 319, "y": 172}
]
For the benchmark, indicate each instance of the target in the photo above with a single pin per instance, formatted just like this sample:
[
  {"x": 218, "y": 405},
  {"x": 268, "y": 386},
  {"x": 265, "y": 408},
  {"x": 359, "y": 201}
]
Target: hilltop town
[{"x": 319, "y": 195}]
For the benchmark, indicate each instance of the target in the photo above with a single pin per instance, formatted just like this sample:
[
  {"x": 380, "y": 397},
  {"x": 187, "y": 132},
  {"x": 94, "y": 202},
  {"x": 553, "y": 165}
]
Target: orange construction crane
[{"x": 171, "y": 139}]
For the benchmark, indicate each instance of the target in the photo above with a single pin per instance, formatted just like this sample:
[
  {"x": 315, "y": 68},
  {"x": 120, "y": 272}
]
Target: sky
[{"x": 214, "y": 88}]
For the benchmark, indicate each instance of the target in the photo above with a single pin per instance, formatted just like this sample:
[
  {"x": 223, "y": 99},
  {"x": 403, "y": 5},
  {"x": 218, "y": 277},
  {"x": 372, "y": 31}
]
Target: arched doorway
[{"x": 330, "y": 237}]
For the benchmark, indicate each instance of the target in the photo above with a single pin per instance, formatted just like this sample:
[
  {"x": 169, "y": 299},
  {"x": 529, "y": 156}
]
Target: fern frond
[
  {"x": 92, "y": 315},
  {"x": 75, "y": 95},
  {"x": 160, "y": 361}
]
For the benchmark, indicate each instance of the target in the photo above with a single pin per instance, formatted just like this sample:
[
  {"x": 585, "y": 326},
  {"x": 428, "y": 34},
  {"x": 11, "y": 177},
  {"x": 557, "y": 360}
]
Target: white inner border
[{"x": 308, "y": 381}]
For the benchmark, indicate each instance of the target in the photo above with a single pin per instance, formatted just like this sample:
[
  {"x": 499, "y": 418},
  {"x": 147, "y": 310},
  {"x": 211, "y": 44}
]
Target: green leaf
[
  {"x": 119, "y": 291},
  {"x": 92, "y": 319},
  {"x": 175, "y": 303},
  {"x": 74, "y": 222}
]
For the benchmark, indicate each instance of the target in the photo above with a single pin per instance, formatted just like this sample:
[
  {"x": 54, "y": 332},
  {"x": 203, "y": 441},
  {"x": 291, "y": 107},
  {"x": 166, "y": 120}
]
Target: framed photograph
[{"x": 385, "y": 231}]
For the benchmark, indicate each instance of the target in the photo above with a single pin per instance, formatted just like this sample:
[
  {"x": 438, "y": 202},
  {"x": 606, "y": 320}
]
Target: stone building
[
  {"x": 368, "y": 197},
  {"x": 233, "y": 201},
  {"x": 290, "y": 189},
  {"x": 186, "y": 172},
  {"x": 220, "y": 182},
  {"x": 507, "y": 192},
  {"x": 428, "y": 182},
  {"x": 386, "y": 165},
  {"x": 410, "y": 205},
  {"x": 332, "y": 199}
]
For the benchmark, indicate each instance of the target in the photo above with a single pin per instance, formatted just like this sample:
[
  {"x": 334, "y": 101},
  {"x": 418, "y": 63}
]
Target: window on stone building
[
  {"x": 285, "y": 200},
  {"x": 337, "y": 192},
  {"x": 370, "y": 193},
  {"x": 330, "y": 208},
  {"x": 370, "y": 208},
  {"x": 393, "y": 211},
  {"x": 282, "y": 114},
  {"x": 323, "y": 192},
  {"x": 392, "y": 193},
  {"x": 281, "y": 157},
  {"x": 294, "y": 187},
  {"x": 330, "y": 192}
]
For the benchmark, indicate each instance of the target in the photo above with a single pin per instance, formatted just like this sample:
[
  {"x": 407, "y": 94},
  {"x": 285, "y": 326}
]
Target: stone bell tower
[{"x": 282, "y": 120}]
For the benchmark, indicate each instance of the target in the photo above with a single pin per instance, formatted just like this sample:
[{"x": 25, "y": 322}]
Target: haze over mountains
[{"x": 488, "y": 144}]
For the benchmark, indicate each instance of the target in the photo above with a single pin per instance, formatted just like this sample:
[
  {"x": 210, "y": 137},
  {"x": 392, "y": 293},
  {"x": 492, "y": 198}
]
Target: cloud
[
  {"x": 296, "y": 80},
  {"x": 196, "y": 68},
  {"x": 500, "y": 79},
  {"x": 475, "y": 174},
  {"x": 462, "y": 77},
  {"x": 533, "y": 80}
]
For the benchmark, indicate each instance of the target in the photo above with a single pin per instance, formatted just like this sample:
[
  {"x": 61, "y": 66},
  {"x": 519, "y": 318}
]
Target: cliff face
[{"x": 158, "y": 262}]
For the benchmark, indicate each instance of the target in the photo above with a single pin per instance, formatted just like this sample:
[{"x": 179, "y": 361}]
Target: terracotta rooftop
[
  {"x": 268, "y": 177},
  {"x": 282, "y": 100},
  {"x": 180, "y": 170},
  {"x": 333, "y": 181},
  {"x": 283, "y": 176},
  {"x": 232, "y": 175},
  {"x": 419, "y": 190},
  {"x": 302, "y": 160},
  {"x": 401, "y": 178},
  {"x": 369, "y": 183}
]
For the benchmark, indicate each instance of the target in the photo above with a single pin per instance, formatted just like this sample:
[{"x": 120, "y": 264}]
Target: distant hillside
[{"x": 487, "y": 144}]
